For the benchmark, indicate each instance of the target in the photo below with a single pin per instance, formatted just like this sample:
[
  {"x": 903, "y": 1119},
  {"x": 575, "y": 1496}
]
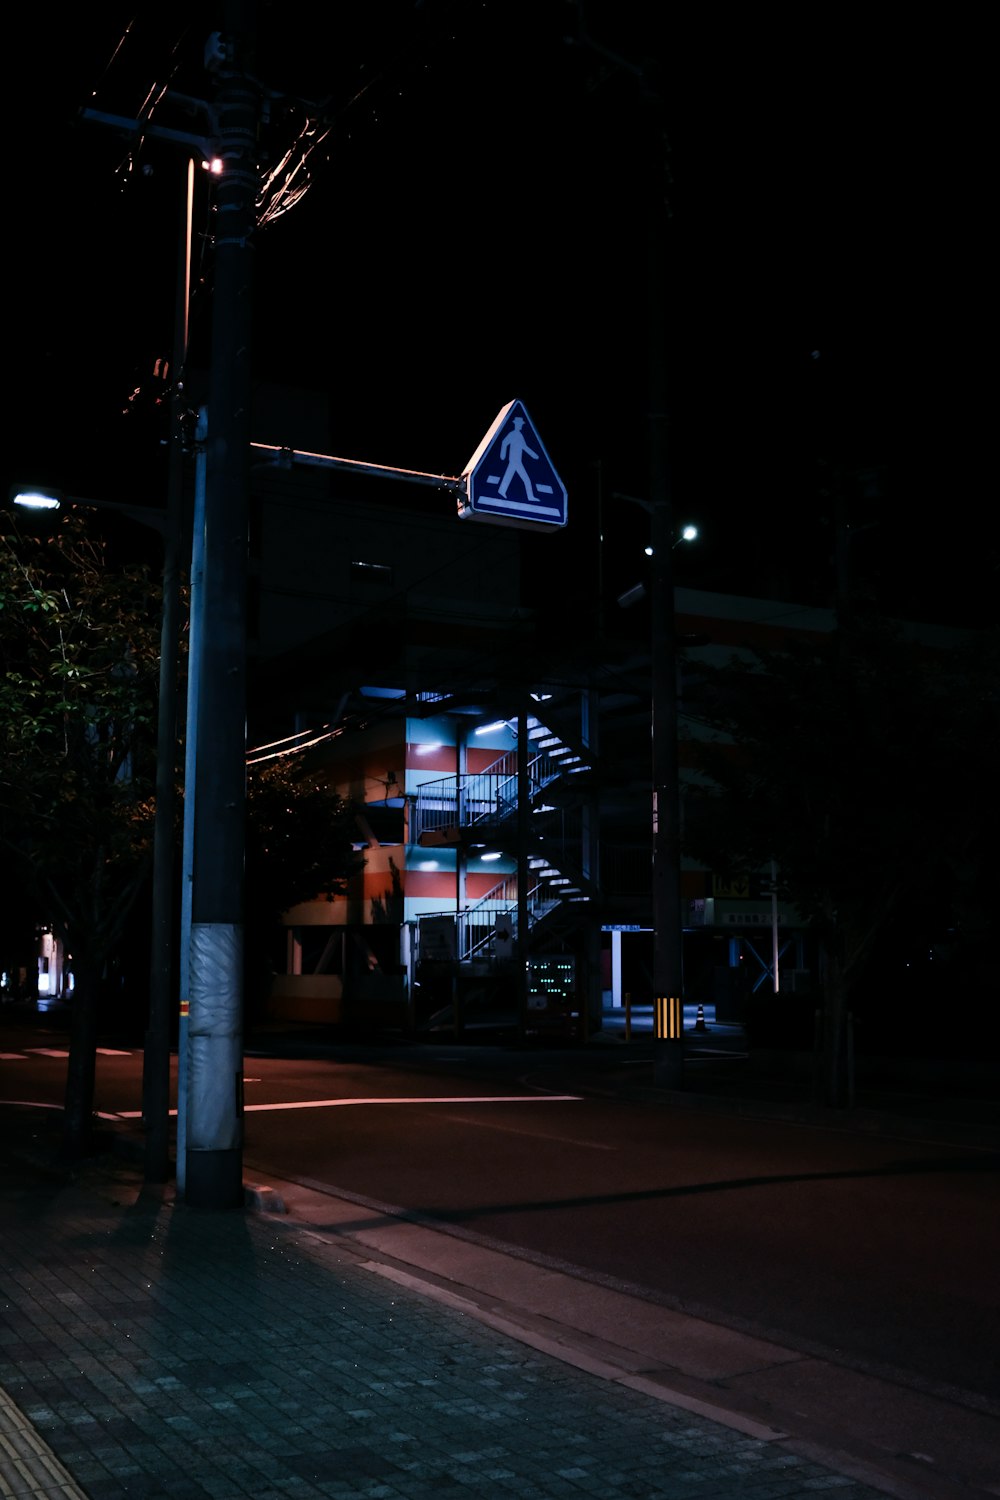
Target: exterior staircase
[{"x": 461, "y": 810}]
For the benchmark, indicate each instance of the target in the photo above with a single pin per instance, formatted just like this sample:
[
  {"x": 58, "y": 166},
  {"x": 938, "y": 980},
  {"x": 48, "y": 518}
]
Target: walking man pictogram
[{"x": 513, "y": 448}]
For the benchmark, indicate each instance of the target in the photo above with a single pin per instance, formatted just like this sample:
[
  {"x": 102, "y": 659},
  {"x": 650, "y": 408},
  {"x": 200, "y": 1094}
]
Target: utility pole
[
  {"x": 196, "y": 626},
  {"x": 668, "y": 935},
  {"x": 522, "y": 946},
  {"x": 156, "y": 1054},
  {"x": 212, "y": 1061},
  {"x": 214, "y": 1124}
]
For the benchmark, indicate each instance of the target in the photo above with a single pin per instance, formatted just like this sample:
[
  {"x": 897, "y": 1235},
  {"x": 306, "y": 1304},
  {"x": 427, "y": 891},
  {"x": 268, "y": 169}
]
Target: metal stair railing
[
  {"x": 475, "y": 927},
  {"x": 490, "y": 796},
  {"x": 463, "y": 801}
]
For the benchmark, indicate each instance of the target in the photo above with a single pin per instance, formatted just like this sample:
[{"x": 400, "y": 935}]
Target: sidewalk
[{"x": 148, "y": 1350}]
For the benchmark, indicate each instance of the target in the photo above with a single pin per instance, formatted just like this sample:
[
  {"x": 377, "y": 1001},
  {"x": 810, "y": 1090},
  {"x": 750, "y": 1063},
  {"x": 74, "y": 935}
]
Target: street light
[
  {"x": 668, "y": 964},
  {"x": 36, "y": 499},
  {"x": 686, "y": 534},
  {"x": 667, "y": 959},
  {"x": 44, "y": 498}
]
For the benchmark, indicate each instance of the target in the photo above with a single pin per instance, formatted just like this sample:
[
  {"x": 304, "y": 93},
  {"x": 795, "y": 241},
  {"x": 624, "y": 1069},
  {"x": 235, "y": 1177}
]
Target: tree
[
  {"x": 80, "y": 642},
  {"x": 298, "y": 845},
  {"x": 861, "y": 763},
  {"x": 79, "y": 636}
]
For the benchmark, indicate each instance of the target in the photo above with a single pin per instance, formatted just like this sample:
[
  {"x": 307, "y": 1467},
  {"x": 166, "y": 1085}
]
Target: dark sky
[{"x": 473, "y": 233}]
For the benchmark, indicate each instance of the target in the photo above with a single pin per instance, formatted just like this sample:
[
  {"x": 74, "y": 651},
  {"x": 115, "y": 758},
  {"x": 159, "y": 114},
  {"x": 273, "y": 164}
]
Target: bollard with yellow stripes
[
  {"x": 668, "y": 1017},
  {"x": 668, "y": 1048}
]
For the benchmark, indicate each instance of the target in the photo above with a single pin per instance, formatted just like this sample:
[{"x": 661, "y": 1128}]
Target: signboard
[
  {"x": 719, "y": 913},
  {"x": 437, "y": 939},
  {"x": 503, "y": 935},
  {"x": 510, "y": 479}
]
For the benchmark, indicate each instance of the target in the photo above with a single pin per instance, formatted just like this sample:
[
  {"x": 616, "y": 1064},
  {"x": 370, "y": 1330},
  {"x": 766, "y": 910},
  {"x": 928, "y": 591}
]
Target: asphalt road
[{"x": 876, "y": 1251}]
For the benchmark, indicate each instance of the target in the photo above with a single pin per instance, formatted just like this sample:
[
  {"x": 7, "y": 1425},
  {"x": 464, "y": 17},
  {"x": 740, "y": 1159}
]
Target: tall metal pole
[
  {"x": 214, "y": 1126},
  {"x": 196, "y": 626},
  {"x": 775, "y": 948},
  {"x": 156, "y": 1056},
  {"x": 522, "y": 947},
  {"x": 668, "y": 969}
]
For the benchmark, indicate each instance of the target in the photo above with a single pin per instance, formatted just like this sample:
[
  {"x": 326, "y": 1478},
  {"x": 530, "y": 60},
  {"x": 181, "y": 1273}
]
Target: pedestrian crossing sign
[{"x": 510, "y": 479}]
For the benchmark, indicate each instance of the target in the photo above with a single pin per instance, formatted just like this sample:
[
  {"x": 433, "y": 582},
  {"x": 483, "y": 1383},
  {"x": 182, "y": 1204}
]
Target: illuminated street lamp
[
  {"x": 668, "y": 929},
  {"x": 36, "y": 499},
  {"x": 42, "y": 498},
  {"x": 687, "y": 533}
]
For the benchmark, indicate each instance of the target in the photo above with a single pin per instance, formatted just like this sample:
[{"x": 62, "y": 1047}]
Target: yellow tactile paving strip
[{"x": 28, "y": 1467}]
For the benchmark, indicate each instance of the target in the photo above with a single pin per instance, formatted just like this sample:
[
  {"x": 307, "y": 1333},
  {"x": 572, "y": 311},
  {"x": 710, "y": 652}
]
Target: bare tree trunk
[
  {"x": 833, "y": 1061},
  {"x": 78, "y": 1108}
]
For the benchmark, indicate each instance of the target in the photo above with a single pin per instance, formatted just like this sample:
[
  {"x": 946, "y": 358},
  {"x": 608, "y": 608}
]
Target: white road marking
[
  {"x": 58, "y": 1052},
  {"x": 443, "y": 1099},
  {"x": 136, "y": 1114}
]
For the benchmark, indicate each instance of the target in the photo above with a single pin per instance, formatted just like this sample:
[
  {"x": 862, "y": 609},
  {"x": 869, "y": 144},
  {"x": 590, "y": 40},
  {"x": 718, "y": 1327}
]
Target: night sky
[{"x": 473, "y": 232}]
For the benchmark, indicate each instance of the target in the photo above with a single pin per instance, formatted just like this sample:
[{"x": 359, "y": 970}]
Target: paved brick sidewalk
[{"x": 147, "y": 1349}]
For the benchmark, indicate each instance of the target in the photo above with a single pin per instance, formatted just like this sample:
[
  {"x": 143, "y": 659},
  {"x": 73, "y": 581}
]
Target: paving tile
[{"x": 164, "y": 1353}]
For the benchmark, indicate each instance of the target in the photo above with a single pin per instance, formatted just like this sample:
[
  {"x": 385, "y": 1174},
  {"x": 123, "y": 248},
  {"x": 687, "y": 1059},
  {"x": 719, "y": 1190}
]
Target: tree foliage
[
  {"x": 78, "y": 695},
  {"x": 862, "y": 763},
  {"x": 79, "y": 637},
  {"x": 80, "y": 643},
  {"x": 298, "y": 846},
  {"x": 299, "y": 836}
]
